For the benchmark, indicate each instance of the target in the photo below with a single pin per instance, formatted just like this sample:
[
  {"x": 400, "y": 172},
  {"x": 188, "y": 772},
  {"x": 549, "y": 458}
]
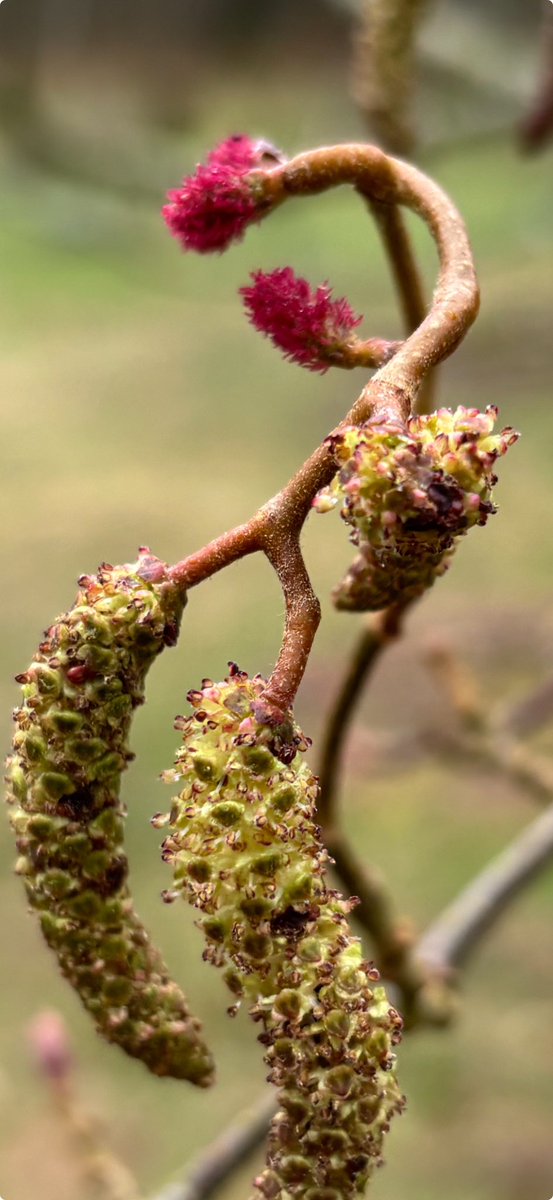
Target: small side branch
[
  {"x": 303, "y": 614},
  {"x": 457, "y": 932}
]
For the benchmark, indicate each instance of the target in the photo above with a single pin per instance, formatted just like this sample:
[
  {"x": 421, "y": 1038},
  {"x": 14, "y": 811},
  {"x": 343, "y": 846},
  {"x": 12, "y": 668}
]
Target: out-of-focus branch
[
  {"x": 536, "y": 129},
  {"x": 225, "y": 1155},
  {"x": 406, "y": 276},
  {"x": 526, "y": 716},
  {"x": 392, "y": 936},
  {"x": 103, "y": 1175},
  {"x": 456, "y": 933},
  {"x": 384, "y": 69},
  {"x": 482, "y": 741},
  {"x": 376, "y": 634}
]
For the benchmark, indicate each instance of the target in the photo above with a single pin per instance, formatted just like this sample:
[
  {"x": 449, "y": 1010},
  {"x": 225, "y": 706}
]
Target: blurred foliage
[{"x": 140, "y": 407}]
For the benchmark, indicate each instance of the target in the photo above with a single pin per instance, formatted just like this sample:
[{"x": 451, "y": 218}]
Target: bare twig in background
[
  {"x": 456, "y": 933},
  {"x": 536, "y": 129},
  {"x": 483, "y": 742},
  {"x": 406, "y": 276},
  {"x": 528, "y": 715},
  {"x": 392, "y": 937},
  {"x": 225, "y": 1155},
  {"x": 384, "y": 69},
  {"x": 103, "y": 1175}
]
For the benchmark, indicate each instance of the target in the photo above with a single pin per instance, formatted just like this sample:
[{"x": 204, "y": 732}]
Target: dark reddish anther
[
  {"x": 290, "y": 923},
  {"x": 79, "y": 675},
  {"x": 150, "y": 568}
]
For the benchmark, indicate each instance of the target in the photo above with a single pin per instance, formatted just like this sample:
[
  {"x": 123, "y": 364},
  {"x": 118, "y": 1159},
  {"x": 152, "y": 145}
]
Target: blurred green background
[{"x": 139, "y": 407}]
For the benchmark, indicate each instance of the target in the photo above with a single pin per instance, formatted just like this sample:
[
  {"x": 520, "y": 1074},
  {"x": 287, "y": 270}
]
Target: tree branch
[
  {"x": 456, "y": 933},
  {"x": 403, "y": 266},
  {"x": 384, "y": 69},
  {"x": 225, "y": 1155},
  {"x": 391, "y": 936}
]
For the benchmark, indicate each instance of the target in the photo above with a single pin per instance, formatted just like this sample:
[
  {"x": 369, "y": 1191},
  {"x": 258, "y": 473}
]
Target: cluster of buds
[
  {"x": 408, "y": 492},
  {"x": 69, "y": 751},
  {"x": 246, "y": 851}
]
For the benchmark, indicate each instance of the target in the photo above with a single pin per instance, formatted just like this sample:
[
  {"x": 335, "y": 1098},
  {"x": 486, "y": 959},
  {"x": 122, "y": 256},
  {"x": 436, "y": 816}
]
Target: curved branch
[
  {"x": 303, "y": 614},
  {"x": 275, "y": 528},
  {"x": 388, "y": 180}
]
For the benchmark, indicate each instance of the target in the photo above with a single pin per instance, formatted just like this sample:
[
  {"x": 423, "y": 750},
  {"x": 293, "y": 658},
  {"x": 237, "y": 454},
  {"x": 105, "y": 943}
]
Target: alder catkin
[
  {"x": 246, "y": 851},
  {"x": 69, "y": 751},
  {"x": 408, "y": 492}
]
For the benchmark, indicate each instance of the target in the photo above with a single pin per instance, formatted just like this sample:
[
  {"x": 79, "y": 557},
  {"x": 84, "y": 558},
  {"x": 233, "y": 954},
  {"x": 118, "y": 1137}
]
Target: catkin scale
[
  {"x": 69, "y": 751},
  {"x": 246, "y": 851}
]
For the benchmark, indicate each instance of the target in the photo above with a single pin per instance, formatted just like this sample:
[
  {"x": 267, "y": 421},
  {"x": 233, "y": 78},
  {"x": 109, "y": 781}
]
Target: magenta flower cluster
[
  {"x": 213, "y": 207},
  {"x": 305, "y": 323}
]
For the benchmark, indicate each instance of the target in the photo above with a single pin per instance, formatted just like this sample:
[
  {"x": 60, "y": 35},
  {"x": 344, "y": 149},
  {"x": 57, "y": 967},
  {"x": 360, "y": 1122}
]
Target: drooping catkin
[
  {"x": 246, "y": 851},
  {"x": 69, "y": 751},
  {"x": 408, "y": 492}
]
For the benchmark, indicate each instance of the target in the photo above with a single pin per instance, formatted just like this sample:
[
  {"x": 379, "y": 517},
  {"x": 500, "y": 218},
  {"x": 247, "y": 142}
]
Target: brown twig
[
  {"x": 275, "y": 529},
  {"x": 457, "y": 931},
  {"x": 483, "y": 741}
]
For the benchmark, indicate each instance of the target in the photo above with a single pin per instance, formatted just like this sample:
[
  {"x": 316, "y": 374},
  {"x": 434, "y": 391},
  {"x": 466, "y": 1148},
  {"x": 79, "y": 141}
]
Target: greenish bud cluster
[
  {"x": 69, "y": 751},
  {"x": 409, "y": 492},
  {"x": 246, "y": 851}
]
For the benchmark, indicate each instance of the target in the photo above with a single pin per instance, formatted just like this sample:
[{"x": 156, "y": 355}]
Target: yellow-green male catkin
[
  {"x": 246, "y": 851},
  {"x": 408, "y": 492},
  {"x": 69, "y": 751}
]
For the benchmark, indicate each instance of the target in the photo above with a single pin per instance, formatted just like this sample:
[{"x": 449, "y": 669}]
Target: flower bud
[
  {"x": 305, "y": 323},
  {"x": 214, "y": 206}
]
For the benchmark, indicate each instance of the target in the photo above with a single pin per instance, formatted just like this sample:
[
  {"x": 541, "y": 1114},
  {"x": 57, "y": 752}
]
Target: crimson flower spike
[
  {"x": 305, "y": 323},
  {"x": 214, "y": 206}
]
